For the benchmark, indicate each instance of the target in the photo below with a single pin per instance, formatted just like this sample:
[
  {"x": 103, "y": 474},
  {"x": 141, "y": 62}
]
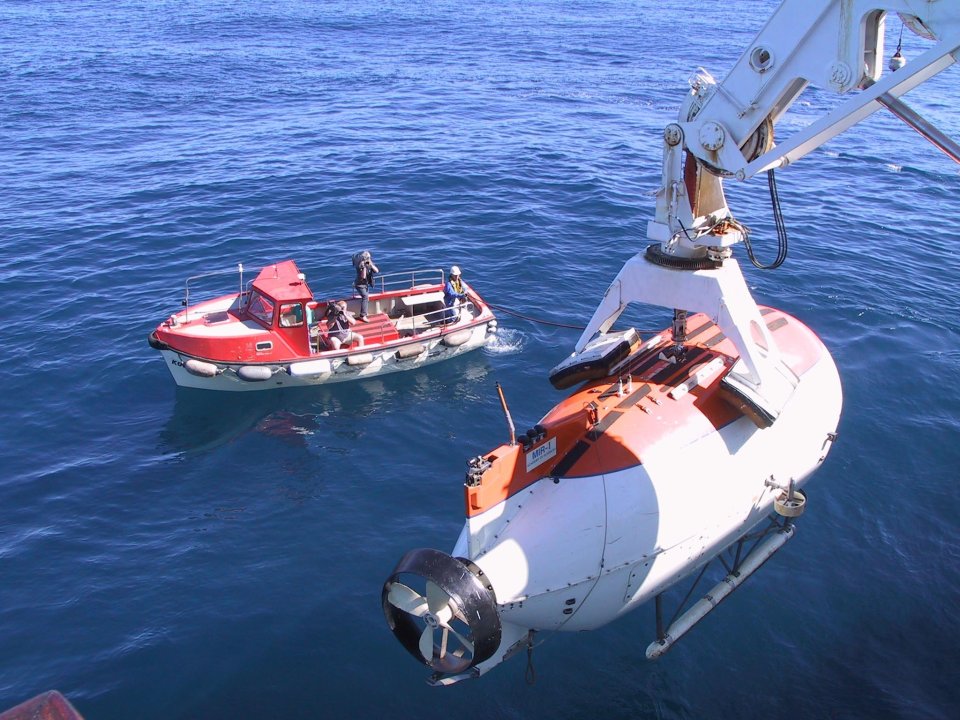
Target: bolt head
[
  {"x": 712, "y": 136},
  {"x": 672, "y": 135}
]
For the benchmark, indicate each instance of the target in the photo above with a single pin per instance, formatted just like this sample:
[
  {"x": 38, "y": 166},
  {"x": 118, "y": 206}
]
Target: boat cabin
[{"x": 280, "y": 300}]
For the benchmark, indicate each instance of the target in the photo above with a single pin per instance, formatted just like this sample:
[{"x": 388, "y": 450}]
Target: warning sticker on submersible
[{"x": 538, "y": 456}]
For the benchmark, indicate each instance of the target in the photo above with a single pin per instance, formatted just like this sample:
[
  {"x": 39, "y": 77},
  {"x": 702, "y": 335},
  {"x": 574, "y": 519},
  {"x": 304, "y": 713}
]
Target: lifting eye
[{"x": 761, "y": 59}]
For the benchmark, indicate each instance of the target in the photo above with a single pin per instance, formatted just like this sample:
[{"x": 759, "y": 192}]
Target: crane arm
[{"x": 726, "y": 130}]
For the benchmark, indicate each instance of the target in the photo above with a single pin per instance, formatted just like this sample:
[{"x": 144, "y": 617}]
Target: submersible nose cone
[{"x": 443, "y": 610}]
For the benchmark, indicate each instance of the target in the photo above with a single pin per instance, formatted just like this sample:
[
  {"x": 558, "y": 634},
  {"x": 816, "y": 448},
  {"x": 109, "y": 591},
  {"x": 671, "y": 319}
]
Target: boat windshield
[
  {"x": 291, "y": 315},
  {"x": 261, "y": 307}
]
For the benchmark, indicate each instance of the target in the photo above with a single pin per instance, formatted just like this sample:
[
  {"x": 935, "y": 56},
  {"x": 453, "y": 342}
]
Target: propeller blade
[
  {"x": 426, "y": 643},
  {"x": 443, "y": 642},
  {"x": 437, "y": 599},
  {"x": 463, "y": 641},
  {"x": 439, "y": 603},
  {"x": 406, "y": 599}
]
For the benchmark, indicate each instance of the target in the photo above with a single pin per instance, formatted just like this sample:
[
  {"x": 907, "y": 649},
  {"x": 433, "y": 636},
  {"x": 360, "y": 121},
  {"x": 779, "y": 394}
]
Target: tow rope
[
  {"x": 533, "y": 319},
  {"x": 541, "y": 321}
]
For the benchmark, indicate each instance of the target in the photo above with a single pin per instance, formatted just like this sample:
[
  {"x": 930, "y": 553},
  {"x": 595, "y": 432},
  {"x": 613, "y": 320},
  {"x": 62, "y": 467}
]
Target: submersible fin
[{"x": 452, "y": 624}]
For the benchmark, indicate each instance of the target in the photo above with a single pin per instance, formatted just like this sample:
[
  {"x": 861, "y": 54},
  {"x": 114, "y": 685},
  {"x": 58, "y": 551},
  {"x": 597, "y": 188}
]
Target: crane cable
[{"x": 782, "y": 241}]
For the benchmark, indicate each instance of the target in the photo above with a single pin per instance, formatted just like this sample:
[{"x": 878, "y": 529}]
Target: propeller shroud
[{"x": 453, "y": 624}]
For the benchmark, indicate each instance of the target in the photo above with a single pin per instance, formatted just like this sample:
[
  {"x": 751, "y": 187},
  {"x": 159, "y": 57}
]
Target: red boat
[{"x": 273, "y": 333}]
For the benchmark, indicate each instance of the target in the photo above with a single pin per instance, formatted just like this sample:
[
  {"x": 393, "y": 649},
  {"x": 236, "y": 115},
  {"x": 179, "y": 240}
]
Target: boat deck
[{"x": 377, "y": 329}]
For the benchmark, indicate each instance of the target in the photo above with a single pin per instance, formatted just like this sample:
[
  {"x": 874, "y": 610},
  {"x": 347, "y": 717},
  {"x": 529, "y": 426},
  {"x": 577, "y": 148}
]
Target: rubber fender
[
  {"x": 457, "y": 338},
  {"x": 155, "y": 342},
  {"x": 310, "y": 367},
  {"x": 254, "y": 373},
  {"x": 361, "y": 359},
  {"x": 200, "y": 368},
  {"x": 410, "y": 351}
]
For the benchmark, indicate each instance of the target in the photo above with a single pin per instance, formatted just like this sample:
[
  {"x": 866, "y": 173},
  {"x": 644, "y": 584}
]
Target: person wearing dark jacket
[{"x": 365, "y": 272}]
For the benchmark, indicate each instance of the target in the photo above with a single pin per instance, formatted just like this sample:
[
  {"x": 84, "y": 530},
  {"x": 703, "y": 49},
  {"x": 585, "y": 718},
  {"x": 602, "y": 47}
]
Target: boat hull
[{"x": 202, "y": 374}]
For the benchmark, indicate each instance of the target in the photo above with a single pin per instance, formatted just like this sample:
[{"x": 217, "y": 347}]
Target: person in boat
[
  {"x": 339, "y": 320},
  {"x": 366, "y": 269},
  {"x": 454, "y": 292}
]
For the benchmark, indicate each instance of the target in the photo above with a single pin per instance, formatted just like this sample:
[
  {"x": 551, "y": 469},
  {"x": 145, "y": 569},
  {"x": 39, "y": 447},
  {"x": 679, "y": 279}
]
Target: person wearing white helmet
[{"x": 454, "y": 292}]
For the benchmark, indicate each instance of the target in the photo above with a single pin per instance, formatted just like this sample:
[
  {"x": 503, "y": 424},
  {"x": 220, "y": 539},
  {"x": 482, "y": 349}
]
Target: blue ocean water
[{"x": 167, "y": 554}]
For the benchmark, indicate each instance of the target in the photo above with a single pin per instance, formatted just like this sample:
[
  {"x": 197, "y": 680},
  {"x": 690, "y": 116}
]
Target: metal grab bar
[
  {"x": 186, "y": 295},
  {"x": 407, "y": 279},
  {"x": 434, "y": 318}
]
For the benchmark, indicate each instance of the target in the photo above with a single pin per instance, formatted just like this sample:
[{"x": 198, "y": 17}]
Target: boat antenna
[{"x": 506, "y": 413}]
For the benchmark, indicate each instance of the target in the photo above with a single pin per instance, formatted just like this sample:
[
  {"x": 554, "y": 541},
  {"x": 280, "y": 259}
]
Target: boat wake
[{"x": 506, "y": 341}]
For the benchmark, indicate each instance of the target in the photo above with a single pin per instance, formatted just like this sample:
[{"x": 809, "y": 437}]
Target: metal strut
[
  {"x": 936, "y": 137},
  {"x": 768, "y": 541}
]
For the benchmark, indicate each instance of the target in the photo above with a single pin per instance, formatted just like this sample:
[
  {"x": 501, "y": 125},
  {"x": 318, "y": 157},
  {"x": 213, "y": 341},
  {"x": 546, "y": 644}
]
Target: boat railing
[
  {"x": 214, "y": 273},
  {"x": 444, "y": 317},
  {"x": 406, "y": 279}
]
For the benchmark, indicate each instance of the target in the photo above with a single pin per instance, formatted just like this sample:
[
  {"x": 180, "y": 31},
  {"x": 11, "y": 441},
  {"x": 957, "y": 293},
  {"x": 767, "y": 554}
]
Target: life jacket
[{"x": 457, "y": 289}]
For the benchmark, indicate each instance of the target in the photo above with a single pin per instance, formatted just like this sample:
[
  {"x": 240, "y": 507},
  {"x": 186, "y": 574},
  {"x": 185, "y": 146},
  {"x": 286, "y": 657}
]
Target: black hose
[{"x": 782, "y": 241}]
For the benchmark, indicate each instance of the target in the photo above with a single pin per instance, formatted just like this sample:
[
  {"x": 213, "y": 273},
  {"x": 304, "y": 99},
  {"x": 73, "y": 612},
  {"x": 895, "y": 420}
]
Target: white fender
[
  {"x": 410, "y": 351},
  {"x": 457, "y": 338},
  {"x": 254, "y": 373},
  {"x": 360, "y": 359},
  {"x": 200, "y": 368},
  {"x": 311, "y": 367}
]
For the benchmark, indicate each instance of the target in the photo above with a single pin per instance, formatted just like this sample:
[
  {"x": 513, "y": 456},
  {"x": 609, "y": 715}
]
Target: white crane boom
[
  {"x": 729, "y": 127},
  {"x": 727, "y": 130}
]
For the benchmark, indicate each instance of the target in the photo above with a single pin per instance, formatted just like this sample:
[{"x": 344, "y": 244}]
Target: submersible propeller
[{"x": 453, "y": 624}]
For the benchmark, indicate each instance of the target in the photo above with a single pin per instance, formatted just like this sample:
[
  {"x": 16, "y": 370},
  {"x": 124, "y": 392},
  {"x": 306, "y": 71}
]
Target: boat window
[
  {"x": 291, "y": 315},
  {"x": 261, "y": 307}
]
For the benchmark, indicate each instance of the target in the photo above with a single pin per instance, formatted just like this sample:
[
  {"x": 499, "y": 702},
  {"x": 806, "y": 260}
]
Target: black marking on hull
[
  {"x": 570, "y": 459},
  {"x": 602, "y": 426}
]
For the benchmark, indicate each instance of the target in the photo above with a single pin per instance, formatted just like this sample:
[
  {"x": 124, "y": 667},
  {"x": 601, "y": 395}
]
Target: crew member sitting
[{"x": 339, "y": 320}]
